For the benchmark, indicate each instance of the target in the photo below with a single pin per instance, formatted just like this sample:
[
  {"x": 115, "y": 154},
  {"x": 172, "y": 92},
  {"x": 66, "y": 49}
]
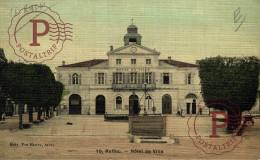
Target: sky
[{"x": 186, "y": 30}]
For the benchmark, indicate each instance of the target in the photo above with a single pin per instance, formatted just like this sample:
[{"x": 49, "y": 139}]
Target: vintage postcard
[{"x": 118, "y": 79}]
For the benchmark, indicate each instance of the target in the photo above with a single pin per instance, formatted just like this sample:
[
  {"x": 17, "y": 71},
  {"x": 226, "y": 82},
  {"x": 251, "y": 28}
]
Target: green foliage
[
  {"x": 65, "y": 93},
  {"x": 32, "y": 84},
  {"x": 17, "y": 83},
  {"x": 55, "y": 94},
  {"x": 236, "y": 79}
]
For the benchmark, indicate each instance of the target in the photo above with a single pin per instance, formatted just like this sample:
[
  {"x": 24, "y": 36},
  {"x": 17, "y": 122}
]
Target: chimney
[
  {"x": 111, "y": 48},
  {"x": 169, "y": 59},
  {"x": 63, "y": 63}
]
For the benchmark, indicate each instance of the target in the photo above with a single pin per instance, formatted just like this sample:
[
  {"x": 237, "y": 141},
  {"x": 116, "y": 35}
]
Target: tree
[
  {"x": 56, "y": 95},
  {"x": 31, "y": 84},
  {"x": 45, "y": 84},
  {"x": 41, "y": 78},
  {"x": 231, "y": 80},
  {"x": 2, "y": 96},
  {"x": 16, "y": 83},
  {"x": 49, "y": 90}
]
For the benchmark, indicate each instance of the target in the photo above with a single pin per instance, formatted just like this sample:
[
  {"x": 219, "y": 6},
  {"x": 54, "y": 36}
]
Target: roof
[
  {"x": 131, "y": 45},
  {"x": 94, "y": 62},
  {"x": 178, "y": 63},
  {"x": 90, "y": 63},
  {"x": 132, "y": 26}
]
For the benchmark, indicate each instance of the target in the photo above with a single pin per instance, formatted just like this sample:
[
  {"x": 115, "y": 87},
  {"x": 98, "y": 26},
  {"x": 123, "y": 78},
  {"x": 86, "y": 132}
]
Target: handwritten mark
[
  {"x": 32, "y": 18},
  {"x": 237, "y": 18}
]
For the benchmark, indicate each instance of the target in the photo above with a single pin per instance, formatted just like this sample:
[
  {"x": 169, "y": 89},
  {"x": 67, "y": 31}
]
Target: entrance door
[
  {"x": 134, "y": 105},
  {"x": 188, "y": 108},
  {"x": 194, "y": 107},
  {"x": 75, "y": 104},
  {"x": 166, "y": 104},
  {"x": 100, "y": 105}
]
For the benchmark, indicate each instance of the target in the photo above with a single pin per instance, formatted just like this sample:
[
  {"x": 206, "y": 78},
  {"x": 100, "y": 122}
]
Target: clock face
[{"x": 133, "y": 49}]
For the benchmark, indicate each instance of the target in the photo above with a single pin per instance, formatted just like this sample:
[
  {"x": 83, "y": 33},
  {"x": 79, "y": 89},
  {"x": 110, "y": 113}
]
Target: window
[
  {"x": 189, "y": 78},
  {"x": 148, "y": 78},
  {"x": 101, "y": 78},
  {"x": 133, "y": 77},
  {"x": 118, "y": 102},
  {"x": 133, "y": 61},
  {"x": 133, "y": 40},
  {"x": 148, "y": 61},
  {"x": 75, "y": 78},
  {"x": 118, "y": 78},
  {"x": 166, "y": 78},
  {"x": 118, "y": 61}
]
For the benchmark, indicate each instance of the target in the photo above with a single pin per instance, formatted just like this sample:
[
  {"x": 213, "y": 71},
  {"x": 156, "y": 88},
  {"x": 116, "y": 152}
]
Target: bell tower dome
[{"x": 132, "y": 35}]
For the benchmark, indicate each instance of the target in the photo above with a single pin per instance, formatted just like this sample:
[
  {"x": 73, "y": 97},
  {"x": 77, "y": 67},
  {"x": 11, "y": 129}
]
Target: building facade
[{"x": 132, "y": 76}]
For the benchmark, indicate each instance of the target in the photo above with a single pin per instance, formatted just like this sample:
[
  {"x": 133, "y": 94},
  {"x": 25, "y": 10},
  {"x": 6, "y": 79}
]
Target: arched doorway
[
  {"x": 134, "y": 105},
  {"x": 191, "y": 105},
  {"x": 100, "y": 105},
  {"x": 166, "y": 104},
  {"x": 75, "y": 104}
]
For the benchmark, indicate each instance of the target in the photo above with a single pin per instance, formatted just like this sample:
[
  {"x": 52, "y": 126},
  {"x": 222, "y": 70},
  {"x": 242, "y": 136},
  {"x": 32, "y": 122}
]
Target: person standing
[{"x": 3, "y": 116}]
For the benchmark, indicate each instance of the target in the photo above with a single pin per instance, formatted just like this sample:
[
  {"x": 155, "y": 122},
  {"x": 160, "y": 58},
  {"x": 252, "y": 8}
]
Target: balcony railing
[{"x": 128, "y": 86}]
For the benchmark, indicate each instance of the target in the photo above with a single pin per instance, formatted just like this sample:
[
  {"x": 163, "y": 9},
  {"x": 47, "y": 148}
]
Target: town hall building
[{"x": 131, "y": 77}]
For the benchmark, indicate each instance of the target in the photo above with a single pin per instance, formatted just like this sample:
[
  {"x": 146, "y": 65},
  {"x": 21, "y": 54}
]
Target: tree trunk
[
  {"x": 44, "y": 113},
  {"x": 48, "y": 111},
  {"x": 30, "y": 108},
  {"x": 20, "y": 109},
  {"x": 51, "y": 111},
  {"x": 39, "y": 113},
  {"x": 57, "y": 110},
  {"x": 234, "y": 121}
]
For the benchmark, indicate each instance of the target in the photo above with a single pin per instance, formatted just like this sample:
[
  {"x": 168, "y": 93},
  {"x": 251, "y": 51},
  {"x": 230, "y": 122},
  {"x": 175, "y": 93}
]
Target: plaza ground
[{"x": 54, "y": 139}]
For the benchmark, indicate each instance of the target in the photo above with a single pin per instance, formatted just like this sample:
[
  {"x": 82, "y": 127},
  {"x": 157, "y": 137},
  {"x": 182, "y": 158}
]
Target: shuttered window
[
  {"x": 166, "y": 78},
  {"x": 101, "y": 78}
]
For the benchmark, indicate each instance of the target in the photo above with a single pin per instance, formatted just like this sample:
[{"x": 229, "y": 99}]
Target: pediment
[{"x": 134, "y": 49}]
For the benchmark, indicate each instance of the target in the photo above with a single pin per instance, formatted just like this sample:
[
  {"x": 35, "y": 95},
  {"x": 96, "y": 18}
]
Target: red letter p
[
  {"x": 35, "y": 34},
  {"x": 214, "y": 123}
]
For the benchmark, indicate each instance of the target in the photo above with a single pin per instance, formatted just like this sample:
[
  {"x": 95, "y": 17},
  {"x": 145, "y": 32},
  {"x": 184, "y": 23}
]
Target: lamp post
[{"x": 145, "y": 84}]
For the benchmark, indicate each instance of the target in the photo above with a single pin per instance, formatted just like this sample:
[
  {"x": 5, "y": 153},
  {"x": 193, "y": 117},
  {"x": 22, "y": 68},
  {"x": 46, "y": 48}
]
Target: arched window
[
  {"x": 189, "y": 78},
  {"x": 118, "y": 102},
  {"x": 191, "y": 95},
  {"x": 75, "y": 78}
]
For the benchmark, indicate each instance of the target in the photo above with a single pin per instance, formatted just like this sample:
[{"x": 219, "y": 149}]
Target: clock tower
[{"x": 132, "y": 36}]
